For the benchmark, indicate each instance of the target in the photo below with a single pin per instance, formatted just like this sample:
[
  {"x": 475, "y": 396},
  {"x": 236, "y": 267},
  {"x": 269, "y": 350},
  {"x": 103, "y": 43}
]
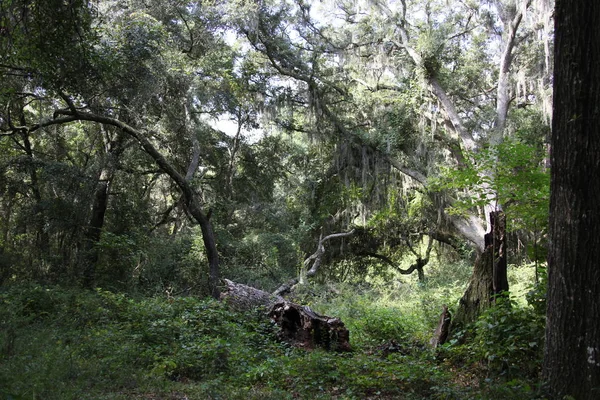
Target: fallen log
[
  {"x": 298, "y": 325},
  {"x": 302, "y": 327},
  {"x": 243, "y": 297}
]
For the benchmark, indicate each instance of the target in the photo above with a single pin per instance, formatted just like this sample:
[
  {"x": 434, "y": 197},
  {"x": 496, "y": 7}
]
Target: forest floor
[{"x": 58, "y": 343}]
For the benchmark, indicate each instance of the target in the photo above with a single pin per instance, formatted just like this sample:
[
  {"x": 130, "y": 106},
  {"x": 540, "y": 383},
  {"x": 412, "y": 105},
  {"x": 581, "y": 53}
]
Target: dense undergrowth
[{"x": 58, "y": 343}]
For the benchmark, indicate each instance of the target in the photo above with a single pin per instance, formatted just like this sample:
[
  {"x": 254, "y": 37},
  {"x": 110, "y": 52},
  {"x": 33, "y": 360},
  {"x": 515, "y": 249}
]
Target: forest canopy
[
  {"x": 333, "y": 152},
  {"x": 234, "y": 134}
]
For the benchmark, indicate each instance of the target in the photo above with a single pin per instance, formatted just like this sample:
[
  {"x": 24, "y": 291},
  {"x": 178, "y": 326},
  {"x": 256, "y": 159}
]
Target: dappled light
[{"x": 242, "y": 199}]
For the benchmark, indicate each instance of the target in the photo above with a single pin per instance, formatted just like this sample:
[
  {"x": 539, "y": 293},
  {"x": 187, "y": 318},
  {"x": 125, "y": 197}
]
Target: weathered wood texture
[
  {"x": 298, "y": 325},
  {"x": 443, "y": 328},
  {"x": 243, "y": 297},
  {"x": 302, "y": 327},
  {"x": 489, "y": 278}
]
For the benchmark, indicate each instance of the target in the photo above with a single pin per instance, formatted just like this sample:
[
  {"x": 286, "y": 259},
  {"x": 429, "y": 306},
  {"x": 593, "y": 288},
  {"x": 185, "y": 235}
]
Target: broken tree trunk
[
  {"x": 489, "y": 279},
  {"x": 441, "y": 332},
  {"x": 302, "y": 327},
  {"x": 243, "y": 297},
  {"x": 298, "y": 325}
]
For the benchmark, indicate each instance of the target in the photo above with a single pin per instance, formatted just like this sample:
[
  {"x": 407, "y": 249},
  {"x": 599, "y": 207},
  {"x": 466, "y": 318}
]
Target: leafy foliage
[
  {"x": 68, "y": 344},
  {"x": 510, "y": 174},
  {"x": 285, "y": 127}
]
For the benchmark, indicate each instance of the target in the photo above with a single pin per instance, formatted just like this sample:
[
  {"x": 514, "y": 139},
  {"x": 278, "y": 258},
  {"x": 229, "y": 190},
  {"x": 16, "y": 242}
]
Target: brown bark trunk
[
  {"x": 489, "y": 277},
  {"x": 572, "y": 353},
  {"x": 302, "y": 327},
  {"x": 100, "y": 205}
]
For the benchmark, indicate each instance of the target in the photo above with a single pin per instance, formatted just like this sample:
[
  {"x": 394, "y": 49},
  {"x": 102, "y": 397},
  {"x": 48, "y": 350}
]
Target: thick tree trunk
[
  {"x": 572, "y": 352},
  {"x": 489, "y": 277}
]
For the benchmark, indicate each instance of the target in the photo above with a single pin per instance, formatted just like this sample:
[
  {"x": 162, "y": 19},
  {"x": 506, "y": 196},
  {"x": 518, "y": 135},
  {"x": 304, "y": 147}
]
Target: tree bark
[
  {"x": 298, "y": 325},
  {"x": 99, "y": 206},
  {"x": 302, "y": 327},
  {"x": 243, "y": 297},
  {"x": 489, "y": 278},
  {"x": 572, "y": 350}
]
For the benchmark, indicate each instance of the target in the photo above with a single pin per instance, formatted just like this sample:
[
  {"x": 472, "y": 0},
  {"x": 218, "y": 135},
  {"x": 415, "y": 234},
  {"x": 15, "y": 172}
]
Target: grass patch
[{"x": 60, "y": 343}]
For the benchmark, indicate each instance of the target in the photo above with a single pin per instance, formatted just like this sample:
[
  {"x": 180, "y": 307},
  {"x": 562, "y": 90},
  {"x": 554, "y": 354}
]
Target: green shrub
[
  {"x": 508, "y": 339},
  {"x": 71, "y": 344}
]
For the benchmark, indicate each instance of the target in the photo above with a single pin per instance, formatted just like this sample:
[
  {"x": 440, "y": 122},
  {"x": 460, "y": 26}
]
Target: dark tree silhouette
[{"x": 572, "y": 353}]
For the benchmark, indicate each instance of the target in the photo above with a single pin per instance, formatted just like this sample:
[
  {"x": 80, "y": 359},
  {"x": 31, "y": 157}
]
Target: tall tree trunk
[
  {"x": 572, "y": 352},
  {"x": 99, "y": 206},
  {"x": 191, "y": 199}
]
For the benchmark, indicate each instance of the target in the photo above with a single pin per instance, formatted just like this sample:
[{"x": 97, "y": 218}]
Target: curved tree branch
[
  {"x": 190, "y": 197},
  {"x": 315, "y": 258},
  {"x": 416, "y": 266}
]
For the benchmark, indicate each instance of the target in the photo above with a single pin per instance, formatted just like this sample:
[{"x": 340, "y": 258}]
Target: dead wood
[
  {"x": 298, "y": 325},
  {"x": 243, "y": 297},
  {"x": 441, "y": 332},
  {"x": 315, "y": 259},
  {"x": 302, "y": 327}
]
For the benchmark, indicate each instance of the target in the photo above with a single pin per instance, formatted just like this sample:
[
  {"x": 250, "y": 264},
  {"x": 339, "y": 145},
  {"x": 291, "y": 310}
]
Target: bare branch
[{"x": 315, "y": 257}]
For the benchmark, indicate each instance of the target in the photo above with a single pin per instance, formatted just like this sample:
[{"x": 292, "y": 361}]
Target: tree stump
[
  {"x": 302, "y": 327},
  {"x": 489, "y": 279},
  {"x": 441, "y": 332}
]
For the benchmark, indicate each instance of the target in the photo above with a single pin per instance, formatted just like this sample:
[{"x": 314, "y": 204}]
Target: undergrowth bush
[
  {"x": 510, "y": 339},
  {"x": 504, "y": 347},
  {"x": 105, "y": 340},
  {"x": 71, "y": 344}
]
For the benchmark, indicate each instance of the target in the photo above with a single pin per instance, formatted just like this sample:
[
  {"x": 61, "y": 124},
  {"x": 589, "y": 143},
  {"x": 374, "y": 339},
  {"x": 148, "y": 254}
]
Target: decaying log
[
  {"x": 302, "y": 327},
  {"x": 298, "y": 325},
  {"x": 441, "y": 332},
  {"x": 243, "y": 297}
]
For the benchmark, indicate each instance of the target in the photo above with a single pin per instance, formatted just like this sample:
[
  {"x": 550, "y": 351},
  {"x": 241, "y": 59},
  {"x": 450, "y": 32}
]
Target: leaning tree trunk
[
  {"x": 489, "y": 278},
  {"x": 572, "y": 353},
  {"x": 191, "y": 199}
]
